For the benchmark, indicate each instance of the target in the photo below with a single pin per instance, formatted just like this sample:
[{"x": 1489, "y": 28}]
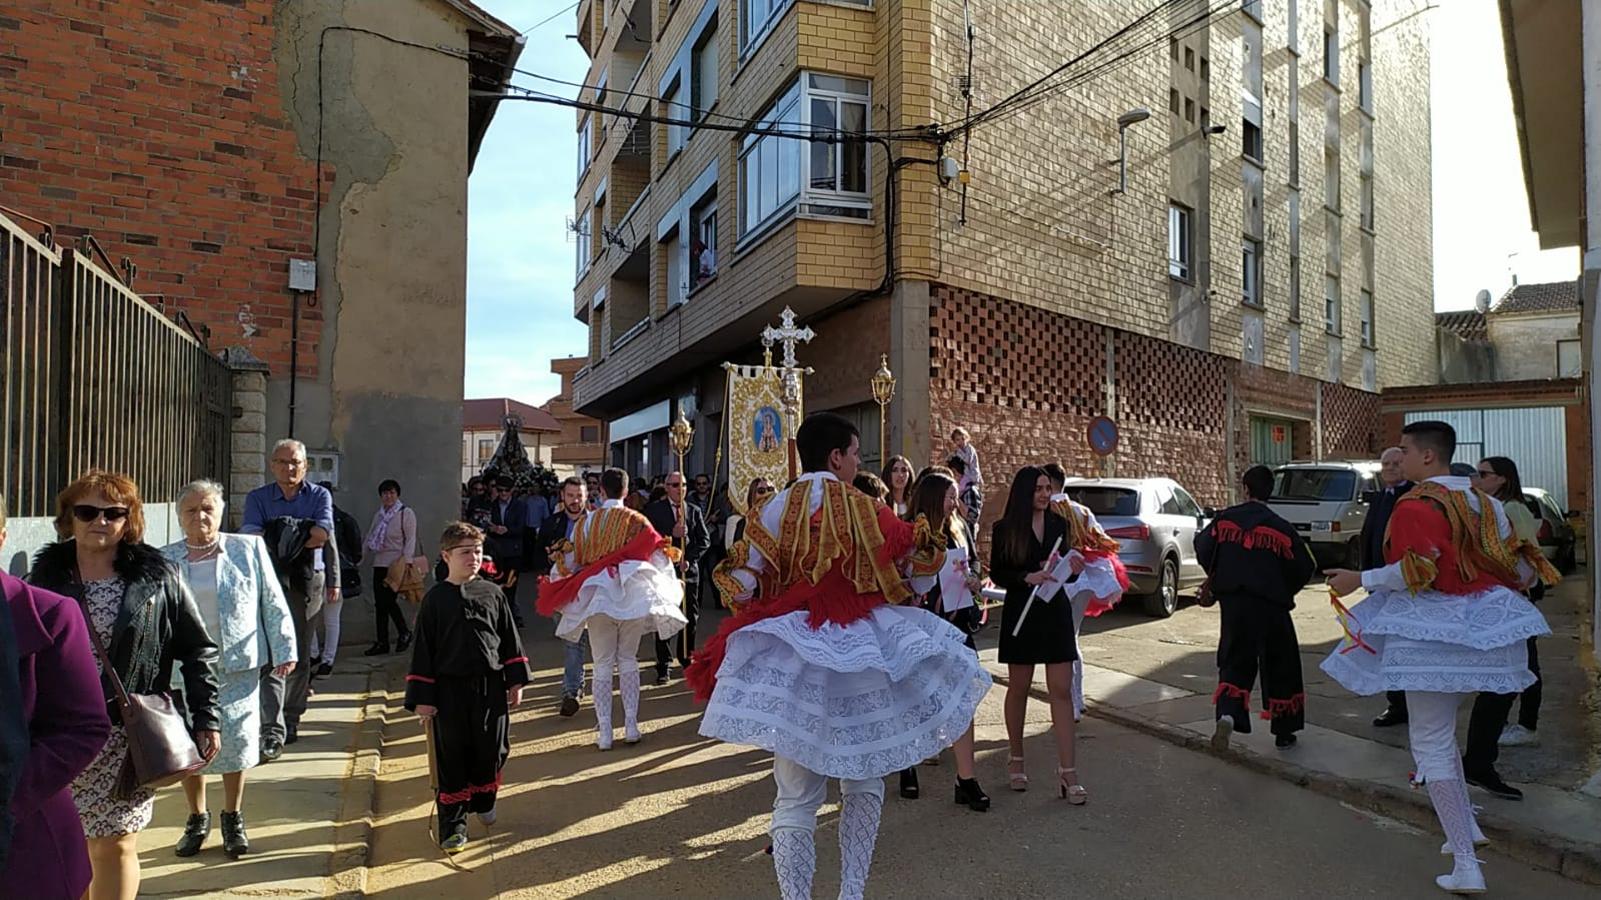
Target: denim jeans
[{"x": 572, "y": 670}]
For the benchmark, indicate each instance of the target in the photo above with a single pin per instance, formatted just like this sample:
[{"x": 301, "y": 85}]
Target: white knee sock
[
  {"x": 603, "y": 701},
  {"x": 858, "y": 834},
  {"x": 1455, "y": 810},
  {"x": 794, "y": 861},
  {"x": 628, "y": 684}
]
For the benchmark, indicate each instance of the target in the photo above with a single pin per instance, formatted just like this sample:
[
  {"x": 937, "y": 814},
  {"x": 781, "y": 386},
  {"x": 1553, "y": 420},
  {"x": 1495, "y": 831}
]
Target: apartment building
[
  {"x": 1214, "y": 230},
  {"x": 581, "y": 446}
]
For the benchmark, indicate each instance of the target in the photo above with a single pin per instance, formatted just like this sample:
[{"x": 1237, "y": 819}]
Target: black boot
[
  {"x": 969, "y": 793},
  {"x": 378, "y": 649},
  {"x": 403, "y": 643},
  {"x": 909, "y": 783},
  {"x": 234, "y": 841},
  {"x": 195, "y": 833}
]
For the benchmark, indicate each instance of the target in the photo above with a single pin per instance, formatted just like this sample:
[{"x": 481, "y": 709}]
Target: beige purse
[{"x": 405, "y": 578}]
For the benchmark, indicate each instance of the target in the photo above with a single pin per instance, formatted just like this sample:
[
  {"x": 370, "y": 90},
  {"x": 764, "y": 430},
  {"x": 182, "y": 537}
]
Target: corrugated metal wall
[{"x": 1534, "y": 437}]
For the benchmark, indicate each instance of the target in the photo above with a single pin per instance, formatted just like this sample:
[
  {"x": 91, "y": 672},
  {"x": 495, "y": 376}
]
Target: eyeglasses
[
  {"x": 674, "y": 484},
  {"x": 1483, "y": 473},
  {"x": 86, "y": 513}
]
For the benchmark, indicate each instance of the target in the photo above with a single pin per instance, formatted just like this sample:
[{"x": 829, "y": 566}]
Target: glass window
[
  {"x": 1166, "y": 503},
  {"x": 1367, "y": 202},
  {"x": 1186, "y": 502},
  {"x": 836, "y": 168},
  {"x": 1173, "y": 100},
  {"x": 757, "y": 18},
  {"x": 581, "y": 240},
  {"x": 703, "y": 240},
  {"x": 1314, "y": 484},
  {"x": 1189, "y": 58},
  {"x": 1331, "y": 303},
  {"x": 589, "y": 434},
  {"x": 1180, "y": 242},
  {"x": 1364, "y": 85},
  {"x": 674, "y": 109},
  {"x": 1295, "y": 152},
  {"x": 1107, "y": 501},
  {"x": 1331, "y": 54},
  {"x": 677, "y": 283},
  {"x": 1189, "y": 110},
  {"x": 1251, "y": 271},
  {"x": 1295, "y": 287},
  {"x": 703, "y": 71},
  {"x": 1253, "y": 8},
  {"x": 1367, "y": 318},
  {"x": 1294, "y": 26},
  {"x": 1251, "y": 140},
  {"x": 583, "y": 147}
]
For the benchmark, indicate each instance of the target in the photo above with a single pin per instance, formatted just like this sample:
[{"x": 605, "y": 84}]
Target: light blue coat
[{"x": 255, "y": 620}]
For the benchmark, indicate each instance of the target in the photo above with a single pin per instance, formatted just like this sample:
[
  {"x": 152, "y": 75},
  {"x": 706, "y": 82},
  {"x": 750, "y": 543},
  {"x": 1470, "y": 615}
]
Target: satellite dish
[{"x": 1482, "y": 302}]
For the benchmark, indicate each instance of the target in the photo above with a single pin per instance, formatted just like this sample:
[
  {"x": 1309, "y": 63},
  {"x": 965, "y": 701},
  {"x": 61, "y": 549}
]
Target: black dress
[
  {"x": 1047, "y": 635},
  {"x": 966, "y": 619}
]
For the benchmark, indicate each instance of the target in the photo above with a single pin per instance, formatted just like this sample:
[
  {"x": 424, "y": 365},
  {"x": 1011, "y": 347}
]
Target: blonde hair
[{"x": 116, "y": 487}]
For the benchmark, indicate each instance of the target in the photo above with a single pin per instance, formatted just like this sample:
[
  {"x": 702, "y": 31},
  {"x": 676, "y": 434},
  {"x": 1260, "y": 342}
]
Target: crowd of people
[{"x": 848, "y": 653}]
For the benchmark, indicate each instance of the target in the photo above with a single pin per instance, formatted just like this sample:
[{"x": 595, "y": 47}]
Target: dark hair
[
  {"x": 872, "y": 486},
  {"x": 750, "y": 491},
  {"x": 459, "y": 534},
  {"x": 929, "y": 501},
  {"x": 1433, "y": 435},
  {"x": 1462, "y": 470},
  {"x": 504, "y": 481},
  {"x": 1258, "y": 481},
  {"x": 571, "y": 481},
  {"x": 1507, "y": 469},
  {"x": 389, "y": 484},
  {"x": 889, "y": 483},
  {"x": 614, "y": 482},
  {"x": 820, "y": 435},
  {"x": 1016, "y": 527},
  {"x": 957, "y": 464},
  {"x": 1055, "y": 472}
]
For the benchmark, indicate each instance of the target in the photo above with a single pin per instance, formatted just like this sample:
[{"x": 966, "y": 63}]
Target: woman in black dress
[{"x": 1020, "y": 550}]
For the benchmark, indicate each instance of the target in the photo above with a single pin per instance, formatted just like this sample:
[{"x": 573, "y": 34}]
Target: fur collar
[{"x": 53, "y": 564}]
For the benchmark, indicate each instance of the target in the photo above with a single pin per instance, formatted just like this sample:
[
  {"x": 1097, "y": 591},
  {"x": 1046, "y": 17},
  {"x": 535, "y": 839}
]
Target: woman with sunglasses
[{"x": 144, "y": 617}]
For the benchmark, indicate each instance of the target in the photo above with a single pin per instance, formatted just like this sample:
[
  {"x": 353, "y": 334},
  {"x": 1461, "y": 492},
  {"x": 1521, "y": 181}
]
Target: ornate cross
[{"x": 787, "y": 335}]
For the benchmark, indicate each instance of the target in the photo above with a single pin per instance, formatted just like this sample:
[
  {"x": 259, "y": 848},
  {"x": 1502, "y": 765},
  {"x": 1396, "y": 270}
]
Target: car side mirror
[{"x": 1208, "y": 512}]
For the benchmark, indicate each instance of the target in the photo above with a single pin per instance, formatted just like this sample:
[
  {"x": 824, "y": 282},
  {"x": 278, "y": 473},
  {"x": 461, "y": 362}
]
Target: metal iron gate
[{"x": 95, "y": 377}]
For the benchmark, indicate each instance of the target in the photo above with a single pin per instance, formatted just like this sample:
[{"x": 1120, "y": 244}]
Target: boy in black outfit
[{"x": 467, "y": 671}]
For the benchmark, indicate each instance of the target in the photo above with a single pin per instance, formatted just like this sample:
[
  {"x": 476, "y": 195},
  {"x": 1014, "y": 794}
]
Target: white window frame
[
  {"x": 1364, "y": 86},
  {"x": 582, "y": 239},
  {"x": 1366, "y": 312},
  {"x": 585, "y": 146},
  {"x": 705, "y": 42},
  {"x": 1331, "y": 54},
  {"x": 673, "y": 100},
  {"x": 756, "y": 21},
  {"x": 1331, "y": 303},
  {"x": 791, "y": 114},
  {"x": 1180, "y": 242},
  {"x": 1251, "y": 272},
  {"x": 707, "y": 207}
]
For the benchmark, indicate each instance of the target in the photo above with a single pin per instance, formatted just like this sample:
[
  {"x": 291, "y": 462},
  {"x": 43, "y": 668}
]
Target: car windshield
[
  {"x": 1107, "y": 501},
  {"x": 1313, "y": 484}
]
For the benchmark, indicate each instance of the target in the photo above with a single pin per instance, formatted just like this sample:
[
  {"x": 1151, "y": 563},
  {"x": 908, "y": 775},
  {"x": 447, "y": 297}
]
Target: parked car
[
  {"x": 1557, "y": 540},
  {"x": 1155, "y": 521},
  {"x": 1327, "y": 502}
]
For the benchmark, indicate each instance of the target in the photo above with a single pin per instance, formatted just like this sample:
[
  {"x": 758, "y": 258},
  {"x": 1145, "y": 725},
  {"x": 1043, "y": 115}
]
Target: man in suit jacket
[
  {"x": 685, "y": 523},
  {"x": 573, "y": 506},
  {"x": 504, "y": 539},
  {"x": 1380, "y": 506}
]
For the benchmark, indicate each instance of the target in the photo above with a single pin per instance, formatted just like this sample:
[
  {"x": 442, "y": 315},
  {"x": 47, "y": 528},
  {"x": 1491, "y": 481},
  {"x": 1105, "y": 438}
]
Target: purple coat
[{"x": 67, "y": 726}]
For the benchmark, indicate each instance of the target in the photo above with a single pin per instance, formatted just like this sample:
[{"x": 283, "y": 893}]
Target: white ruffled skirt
[
  {"x": 634, "y": 590},
  {"x": 853, "y": 701},
  {"x": 1098, "y": 580},
  {"x": 1445, "y": 643}
]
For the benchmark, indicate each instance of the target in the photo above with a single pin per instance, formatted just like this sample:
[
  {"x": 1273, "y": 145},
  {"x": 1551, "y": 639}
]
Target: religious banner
[{"x": 758, "y": 429}]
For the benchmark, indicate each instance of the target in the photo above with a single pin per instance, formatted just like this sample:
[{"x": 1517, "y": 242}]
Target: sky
[{"x": 520, "y": 266}]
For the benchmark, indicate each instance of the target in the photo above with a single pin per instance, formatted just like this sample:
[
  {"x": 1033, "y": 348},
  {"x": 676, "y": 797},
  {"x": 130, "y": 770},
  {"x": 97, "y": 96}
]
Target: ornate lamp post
[
  {"x": 680, "y": 436},
  {"x": 883, "y": 392}
]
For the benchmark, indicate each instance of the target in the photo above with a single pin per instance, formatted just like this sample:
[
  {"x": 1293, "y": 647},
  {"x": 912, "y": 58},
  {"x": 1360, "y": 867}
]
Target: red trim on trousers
[
  {"x": 462, "y": 796},
  {"x": 422, "y": 678},
  {"x": 1239, "y": 693},
  {"x": 1276, "y": 708}
]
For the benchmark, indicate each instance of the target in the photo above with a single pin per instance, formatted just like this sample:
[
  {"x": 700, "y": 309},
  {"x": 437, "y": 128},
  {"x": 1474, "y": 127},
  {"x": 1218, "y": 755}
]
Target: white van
[{"x": 1327, "y": 503}]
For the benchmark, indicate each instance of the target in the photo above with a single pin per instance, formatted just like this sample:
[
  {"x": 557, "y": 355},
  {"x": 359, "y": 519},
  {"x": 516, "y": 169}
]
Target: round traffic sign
[{"x": 1102, "y": 434}]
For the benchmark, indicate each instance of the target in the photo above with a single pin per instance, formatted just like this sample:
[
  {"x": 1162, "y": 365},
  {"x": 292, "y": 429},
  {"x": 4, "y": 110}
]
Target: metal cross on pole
[{"x": 788, "y": 335}]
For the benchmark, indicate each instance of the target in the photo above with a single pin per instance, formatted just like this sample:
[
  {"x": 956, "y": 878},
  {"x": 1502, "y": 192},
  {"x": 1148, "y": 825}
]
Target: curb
[
  {"x": 1571, "y": 859},
  {"x": 353, "y": 832}
]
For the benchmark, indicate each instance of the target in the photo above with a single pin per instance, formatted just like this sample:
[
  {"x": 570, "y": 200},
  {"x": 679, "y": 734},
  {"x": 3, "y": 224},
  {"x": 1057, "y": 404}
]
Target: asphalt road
[{"x": 681, "y": 816}]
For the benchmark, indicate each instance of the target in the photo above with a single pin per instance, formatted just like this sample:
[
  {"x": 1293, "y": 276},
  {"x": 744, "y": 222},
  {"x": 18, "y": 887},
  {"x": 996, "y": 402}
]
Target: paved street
[{"x": 682, "y": 816}]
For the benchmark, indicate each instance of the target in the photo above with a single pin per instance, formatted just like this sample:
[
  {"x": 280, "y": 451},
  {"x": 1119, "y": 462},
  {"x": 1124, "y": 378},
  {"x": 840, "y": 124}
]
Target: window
[
  {"x": 703, "y": 72},
  {"x": 1251, "y": 271},
  {"x": 1251, "y": 140},
  {"x": 589, "y": 434},
  {"x": 677, "y": 280},
  {"x": 771, "y": 164},
  {"x": 1173, "y": 101},
  {"x": 1295, "y": 287},
  {"x": 1364, "y": 86},
  {"x": 1367, "y": 201},
  {"x": 1189, "y": 58},
  {"x": 1173, "y": 48},
  {"x": 703, "y": 240},
  {"x": 581, "y": 239},
  {"x": 486, "y": 449},
  {"x": 1295, "y": 152},
  {"x": 1331, "y": 179},
  {"x": 756, "y": 18},
  {"x": 1189, "y": 110},
  {"x": 1367, "y": 318},
  {"x": 1331, "y": 303},
  {"x": 1331, "y": 54},
  {"x": 1206, "y": 69},
  {"x": 1569, "y": 362},
  {"x": 583, "y": 146},
  {"x": 600, "y": 100},
  {"x": 1180, "y": 242},
  {"x": 674, "y": 108},
  {"x": 1206, "y": 117}
]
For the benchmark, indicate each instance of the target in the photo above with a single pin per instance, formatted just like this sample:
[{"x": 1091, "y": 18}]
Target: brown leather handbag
[{"x": 161, "y": 751}]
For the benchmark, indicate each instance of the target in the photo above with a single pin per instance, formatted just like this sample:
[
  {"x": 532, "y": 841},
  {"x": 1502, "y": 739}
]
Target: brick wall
[{"x": 158, "y": 127}]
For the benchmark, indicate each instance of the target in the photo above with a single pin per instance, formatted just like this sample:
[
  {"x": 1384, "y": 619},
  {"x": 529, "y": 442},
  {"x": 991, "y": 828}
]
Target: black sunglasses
[{"x": 83, "y": 512}]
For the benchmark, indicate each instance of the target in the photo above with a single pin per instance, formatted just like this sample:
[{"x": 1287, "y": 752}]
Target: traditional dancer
[
  {"x": 467, "y": 672},
  {"x": 1102, "y": 580},
  {"x": 821, "y": 670},
  {"x": 1257, "y": 563},
  {"x": 614, "y": 578},
  {"x": 1443, "y": 619}
]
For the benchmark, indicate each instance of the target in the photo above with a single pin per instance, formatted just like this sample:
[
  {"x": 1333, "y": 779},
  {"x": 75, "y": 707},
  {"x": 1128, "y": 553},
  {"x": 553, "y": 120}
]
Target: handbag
[
  {"x": 161, "y": 751},
  {"x": 405, "y": 578}
]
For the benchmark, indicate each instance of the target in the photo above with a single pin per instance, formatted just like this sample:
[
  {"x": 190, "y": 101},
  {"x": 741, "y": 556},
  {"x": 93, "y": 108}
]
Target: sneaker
[
  {"x": 454, "y": 844},
  {"x": 569, "y": 706},
  {"x": 1518, "y": 736},
  {"x": 488, "y": 818},
  {"x": 1221, "y": 734}
]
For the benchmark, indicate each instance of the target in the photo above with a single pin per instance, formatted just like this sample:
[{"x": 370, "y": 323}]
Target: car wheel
[{"x": 1165, "y": 601}]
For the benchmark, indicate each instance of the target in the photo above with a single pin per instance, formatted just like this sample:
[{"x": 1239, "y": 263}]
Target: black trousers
[
  {"x": 1397, "y": 700},
  {"x": 472, "y": 738},
  {"x": 1259, "y": 639},
  {"x": 387, "y": 605},
  {"x": 682, "y": 643},
  {"x": 1490, "y": 714}
]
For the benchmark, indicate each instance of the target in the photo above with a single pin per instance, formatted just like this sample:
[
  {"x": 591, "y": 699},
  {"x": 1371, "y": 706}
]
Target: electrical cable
[{"x": 549, "y": 19}]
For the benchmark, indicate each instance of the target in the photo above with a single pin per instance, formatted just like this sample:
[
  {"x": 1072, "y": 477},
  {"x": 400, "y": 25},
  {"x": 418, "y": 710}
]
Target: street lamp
[
  {"x": 680, "y": 436},
  {"x": 883, "y": 391},
  {"x": 1133, "y": 116}
]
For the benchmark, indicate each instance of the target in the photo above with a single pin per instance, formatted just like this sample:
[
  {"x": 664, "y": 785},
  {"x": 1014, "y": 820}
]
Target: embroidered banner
[{"x": 758, "y": 430}]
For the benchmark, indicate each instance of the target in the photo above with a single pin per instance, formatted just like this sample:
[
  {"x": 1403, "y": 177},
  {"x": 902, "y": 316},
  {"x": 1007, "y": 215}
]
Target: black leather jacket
[{"x": 158, "y": 625}]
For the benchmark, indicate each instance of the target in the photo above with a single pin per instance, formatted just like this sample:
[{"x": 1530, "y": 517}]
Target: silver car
[{"x": 1155, "y": 521}]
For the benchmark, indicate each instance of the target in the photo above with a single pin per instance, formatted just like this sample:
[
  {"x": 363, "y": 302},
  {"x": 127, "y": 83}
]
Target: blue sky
[{"x": 520, "y": 262}]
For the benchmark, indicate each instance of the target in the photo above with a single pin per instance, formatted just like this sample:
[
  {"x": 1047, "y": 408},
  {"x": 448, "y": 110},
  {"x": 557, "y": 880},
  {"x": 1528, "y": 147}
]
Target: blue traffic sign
[{"x": 1102, "y": 435}]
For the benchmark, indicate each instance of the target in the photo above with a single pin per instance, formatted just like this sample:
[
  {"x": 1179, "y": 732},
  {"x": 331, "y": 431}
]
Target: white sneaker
[
  {"x": 631, "y": 734},
  {"x": 488, "y": 818},
  {"x": 1465, "y": 878},
  {"x": 1518, "y": 736},
  {"x": 603, "y": 740}
]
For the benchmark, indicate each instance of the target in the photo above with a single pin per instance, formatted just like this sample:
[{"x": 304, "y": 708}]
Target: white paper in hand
[
  {"x": 954, "y": 594},
  {"x": 1060, "y": 575}
]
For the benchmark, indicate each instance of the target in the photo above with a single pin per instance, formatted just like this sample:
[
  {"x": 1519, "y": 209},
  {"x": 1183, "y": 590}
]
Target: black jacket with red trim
[
  {"x": 463, "y": 631},
  {"x": 1249, "y": 550}
]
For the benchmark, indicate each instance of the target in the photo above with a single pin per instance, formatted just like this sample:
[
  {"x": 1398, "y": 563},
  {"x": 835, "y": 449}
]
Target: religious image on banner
[{"x": 759, "y": 432}]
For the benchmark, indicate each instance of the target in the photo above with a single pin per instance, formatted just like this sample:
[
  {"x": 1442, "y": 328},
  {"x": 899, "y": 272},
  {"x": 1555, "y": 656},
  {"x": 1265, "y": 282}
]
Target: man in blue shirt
[{"x": 284, "y": 697}]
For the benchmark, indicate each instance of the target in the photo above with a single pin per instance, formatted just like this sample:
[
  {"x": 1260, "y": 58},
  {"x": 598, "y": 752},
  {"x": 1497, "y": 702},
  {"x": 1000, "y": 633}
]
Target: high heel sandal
[
  {"x": 1017, "y": 780},
  {"x": 968, "y": 793},
  {"x": 1074, "y": 794}
]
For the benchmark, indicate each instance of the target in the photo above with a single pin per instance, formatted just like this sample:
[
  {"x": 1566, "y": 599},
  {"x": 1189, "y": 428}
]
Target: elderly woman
[
  {"x": 138, "y": 607},
  {"x": 234, "y": 585}
]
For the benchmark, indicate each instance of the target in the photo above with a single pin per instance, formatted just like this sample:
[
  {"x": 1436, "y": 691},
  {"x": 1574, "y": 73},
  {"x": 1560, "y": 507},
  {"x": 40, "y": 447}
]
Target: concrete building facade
[
  {"x": 1238, "y": 290},
  {"x": 581, "y": 445},
  {"x": 215, "y": 144}
]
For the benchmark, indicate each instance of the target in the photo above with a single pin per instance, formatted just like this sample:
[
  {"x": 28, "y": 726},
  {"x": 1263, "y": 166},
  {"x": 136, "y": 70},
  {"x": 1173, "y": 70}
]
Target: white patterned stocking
[
  {"x": 858, "y": 834},
  {"x": 628, "y": 684},
  {"x": 603, "y": 701},
  {"x": 794, "y": 861},
  {"x": 1455, "y": 810}
]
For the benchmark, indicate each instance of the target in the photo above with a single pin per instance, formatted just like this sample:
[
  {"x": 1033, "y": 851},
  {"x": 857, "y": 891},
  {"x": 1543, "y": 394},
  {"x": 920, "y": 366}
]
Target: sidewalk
[{"x": 1157, "y": 676}]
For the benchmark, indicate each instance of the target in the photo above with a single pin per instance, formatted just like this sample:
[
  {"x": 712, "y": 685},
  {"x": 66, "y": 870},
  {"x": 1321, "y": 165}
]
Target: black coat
[
  {"x": 347, "y": 546},
  {"x": 158, "y": 625},
  {"x": 1249, "y": 550},
  {"x": 698, "y": 539},
  {"x": 553, "y": 532},
  {"x": 1378, "y": 521}
]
